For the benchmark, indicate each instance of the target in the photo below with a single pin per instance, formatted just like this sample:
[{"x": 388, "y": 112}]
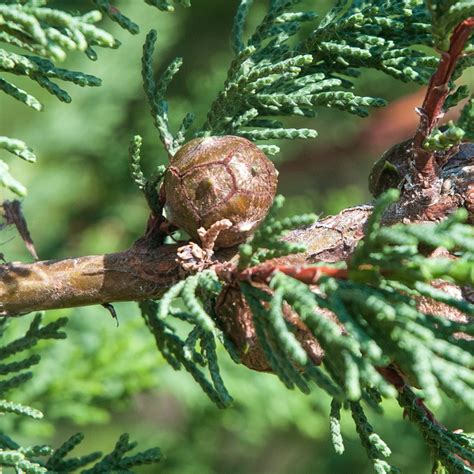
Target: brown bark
[
  {"x": 432, "y": 109},
  {"x": 136, "y": 273},
  {"x": 147, "y": 270},
  {"x": 452, "y": 189},
  {"x": 427, "y": 191}
]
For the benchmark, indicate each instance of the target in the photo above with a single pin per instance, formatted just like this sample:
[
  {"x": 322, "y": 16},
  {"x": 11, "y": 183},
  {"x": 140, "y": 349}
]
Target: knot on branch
[{"x": 451, "y": 189}]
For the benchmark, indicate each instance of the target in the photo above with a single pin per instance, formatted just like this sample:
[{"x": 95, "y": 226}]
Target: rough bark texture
[
  {"x": 86, "y": 280},
  {"x": 452, "y": 189},
  {"x": 147, "y": 270}
]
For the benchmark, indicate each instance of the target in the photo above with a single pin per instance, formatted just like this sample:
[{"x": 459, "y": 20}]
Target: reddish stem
[
  {"x": 307, "y": 274},
  {"x": 432, "y": 108},
  {"x": 392, "y": 375}
]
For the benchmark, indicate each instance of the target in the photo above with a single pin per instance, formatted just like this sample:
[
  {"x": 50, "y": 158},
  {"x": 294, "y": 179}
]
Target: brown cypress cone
[{"x": 215, "y": 178}]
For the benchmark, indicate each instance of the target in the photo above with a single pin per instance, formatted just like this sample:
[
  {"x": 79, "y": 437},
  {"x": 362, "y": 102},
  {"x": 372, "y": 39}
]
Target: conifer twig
[
  {"x": 306, "y": 274},
  {"x": 436, "y": 94},
  {"x": 416, "y": 410}
]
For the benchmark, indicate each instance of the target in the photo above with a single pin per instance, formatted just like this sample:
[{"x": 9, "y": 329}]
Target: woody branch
[{"x": 432, "y": 109}]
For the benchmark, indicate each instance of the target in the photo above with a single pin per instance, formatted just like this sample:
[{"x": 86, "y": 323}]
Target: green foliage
[
  {"x": 196, "y": 292},
  {"x": 466, "y": 119},
  {"x": 378, "y": 309},
  {"x": 20, "y": 149},
  {"x": 50, "y": 34},
  {"x": 445, "y": 16},
  {"x": 117, "y": 461},
  {"x": 459, "y": 94},
  {"x": 58, "y": 462},
  {"x": 273, "y": 74},
  {"x": 376, "y": 448},
  {"x": 98, "y": 373},
  {"x": 269, "y": 76},
  {"x": 30, "y": 459},
  {"x": 266, "y": 242},
  {"x": 116, "y": 15},
  {"x": 155, "y": 92},
  {"x": 335, "y": 427},
  {"x": 445, "y": 139},
  {"x": 449, "y": 448},
  {"x": 106, "y": 7},
  {"x": 148, "y": 186}
]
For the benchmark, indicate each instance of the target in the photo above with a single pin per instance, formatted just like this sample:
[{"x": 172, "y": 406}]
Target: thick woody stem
[
  {"x": 146, "y": 270},
  {"x": 432, "y": 108},
  {"x": 138, "y": 273}
]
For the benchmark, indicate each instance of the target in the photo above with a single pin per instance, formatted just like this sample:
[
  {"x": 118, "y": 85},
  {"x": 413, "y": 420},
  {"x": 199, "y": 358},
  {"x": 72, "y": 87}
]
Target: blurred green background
[{"x": 104, "y": 380}]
